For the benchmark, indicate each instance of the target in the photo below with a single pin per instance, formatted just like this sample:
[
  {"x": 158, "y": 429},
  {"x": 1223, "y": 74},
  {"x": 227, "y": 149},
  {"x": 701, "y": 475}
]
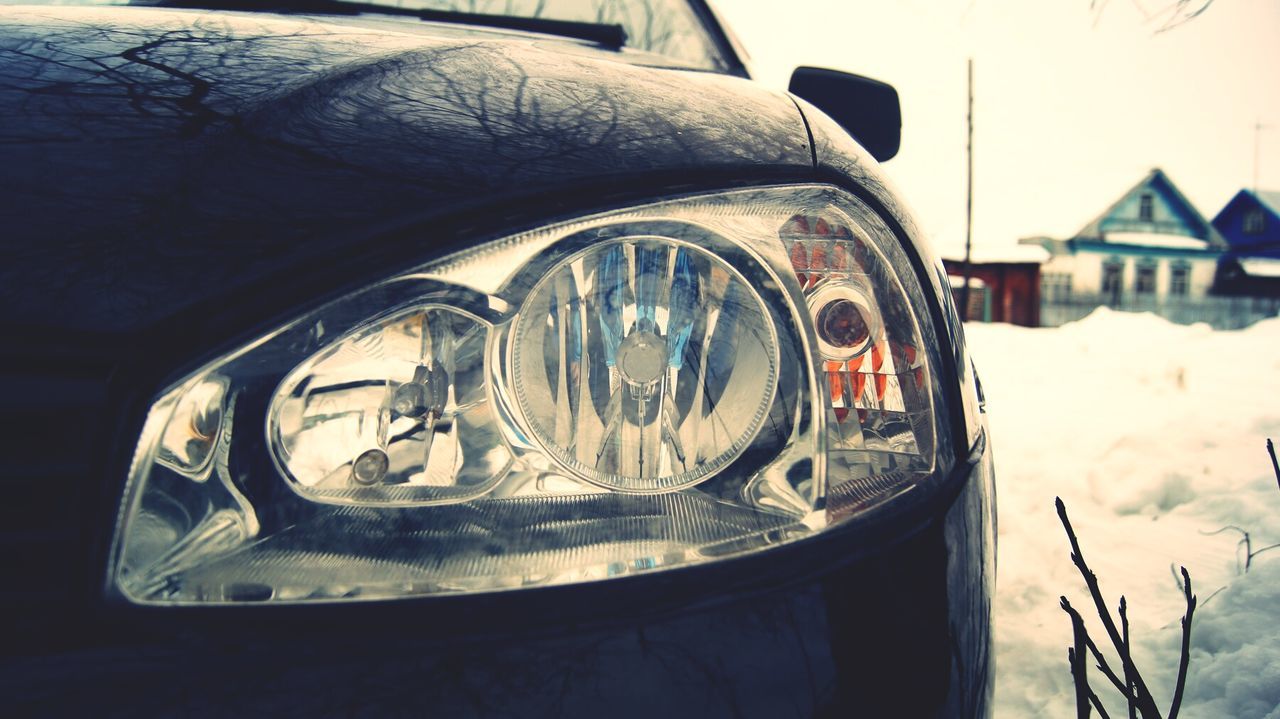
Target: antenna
[
  {"x": 968, "y": 218},
  {"x": 1258, "y": 127}
]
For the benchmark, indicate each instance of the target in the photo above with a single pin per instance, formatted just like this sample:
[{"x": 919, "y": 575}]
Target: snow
[
  {"x": 1261, "y": 267},
  {"x": 958, "y": 282},
  {"x": 1001, "y": 253},
  {"x": 1152, "y": 239},
  {"x": 1154, "y": 435}
]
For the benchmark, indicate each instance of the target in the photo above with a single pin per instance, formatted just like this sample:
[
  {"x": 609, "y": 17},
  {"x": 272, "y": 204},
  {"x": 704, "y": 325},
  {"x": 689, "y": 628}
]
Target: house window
[
  {"x": 1255, "y": 223},
  {"x": 1147, "y": 207},
  {"x": 1056, "y": 286},
  {"x": 1112, "y": 278},
  {"x": 1179, "y": 279},
  {"x": 1144, "y": 281}
]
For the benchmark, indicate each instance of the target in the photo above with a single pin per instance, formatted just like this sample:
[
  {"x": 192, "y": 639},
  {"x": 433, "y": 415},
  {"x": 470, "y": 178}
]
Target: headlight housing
[{"x": 653, "y": 387}]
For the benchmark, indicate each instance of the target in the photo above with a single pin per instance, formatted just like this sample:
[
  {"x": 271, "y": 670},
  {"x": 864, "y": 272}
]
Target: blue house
[{"x": 1250, "y": 222}]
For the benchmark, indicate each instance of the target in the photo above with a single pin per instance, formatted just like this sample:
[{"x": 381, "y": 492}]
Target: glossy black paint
[
  {"x": 174, "y": 184},
  {"x": 156, "y": 158}
]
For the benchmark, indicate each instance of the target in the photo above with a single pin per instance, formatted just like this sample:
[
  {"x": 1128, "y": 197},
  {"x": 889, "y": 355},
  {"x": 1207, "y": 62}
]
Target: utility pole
[{"x": 968, "y": 210}]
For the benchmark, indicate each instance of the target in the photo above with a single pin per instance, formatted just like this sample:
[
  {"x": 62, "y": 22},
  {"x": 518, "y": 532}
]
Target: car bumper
[{"x": 904, "y": 630}]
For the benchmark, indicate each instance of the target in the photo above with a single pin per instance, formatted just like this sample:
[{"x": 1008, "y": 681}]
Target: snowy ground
[{"x": 1154, "y": 436}]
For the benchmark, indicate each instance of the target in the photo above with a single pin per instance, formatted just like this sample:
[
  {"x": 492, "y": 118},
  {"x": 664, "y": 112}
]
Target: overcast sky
[{"x": 1071, "y": 108}]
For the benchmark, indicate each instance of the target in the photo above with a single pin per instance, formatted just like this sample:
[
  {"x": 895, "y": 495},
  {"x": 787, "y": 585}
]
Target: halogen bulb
[
  {"x": 641, "y": 358},
  {"x": 410, "y": 400},
  {"x": 370, "y": 467},
  {"x": 643, "y": 364}
]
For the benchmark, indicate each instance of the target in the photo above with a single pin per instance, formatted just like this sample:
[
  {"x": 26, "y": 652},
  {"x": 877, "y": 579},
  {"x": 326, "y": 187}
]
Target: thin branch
[
  {"x": 1103, "y": 667},
  {"x": 1246, "y": 542},
  {"x": 1128, "y": 677},
  {"x": 1075, "y": 659},
  {"x": 1215, "y": 593},
  {"x": 1093, "y": 649},
  {"x": 1271, "y": 449},
  {"x": 1260, "y": 551},
  {"x": 1182, "y": 12},
  {"x": 1146, "y": 703},
  {"x": 1220, "y": 531},
  {"x": 1185, "y": 659}
]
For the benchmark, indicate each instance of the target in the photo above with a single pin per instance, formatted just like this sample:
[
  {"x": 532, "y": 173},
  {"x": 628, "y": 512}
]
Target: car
[{"x": 472, "y": 359}]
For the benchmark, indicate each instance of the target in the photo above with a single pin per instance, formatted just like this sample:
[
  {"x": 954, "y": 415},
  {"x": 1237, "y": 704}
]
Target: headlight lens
[
  {"x": 643, "y": 365},
  {"x": 656, "y": 387}
]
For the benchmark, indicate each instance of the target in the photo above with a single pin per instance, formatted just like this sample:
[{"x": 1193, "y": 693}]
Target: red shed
[{"x": 1007, "y": 287}]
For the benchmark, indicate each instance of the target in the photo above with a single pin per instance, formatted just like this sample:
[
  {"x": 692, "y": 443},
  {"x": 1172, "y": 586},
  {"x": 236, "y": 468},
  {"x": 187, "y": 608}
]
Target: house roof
[
  {"x": 1269, "y": 198},
  {"x": 1156, "y": 177}
]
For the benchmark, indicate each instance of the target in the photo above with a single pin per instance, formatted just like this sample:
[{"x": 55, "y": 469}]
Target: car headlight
[{"x": 654, "y": 387}]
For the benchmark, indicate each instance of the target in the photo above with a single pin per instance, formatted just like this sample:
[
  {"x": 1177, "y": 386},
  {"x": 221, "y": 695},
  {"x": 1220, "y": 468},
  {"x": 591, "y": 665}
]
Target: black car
[{"x": 511, "y": 358}]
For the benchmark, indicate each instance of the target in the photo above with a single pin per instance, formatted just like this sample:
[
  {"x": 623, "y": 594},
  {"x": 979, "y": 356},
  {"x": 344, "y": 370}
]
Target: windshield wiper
[{"x": 614, "y": 36}]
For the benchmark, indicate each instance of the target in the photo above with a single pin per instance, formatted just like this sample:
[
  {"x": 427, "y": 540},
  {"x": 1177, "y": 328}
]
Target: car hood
[{"x": 156, "y": 160}]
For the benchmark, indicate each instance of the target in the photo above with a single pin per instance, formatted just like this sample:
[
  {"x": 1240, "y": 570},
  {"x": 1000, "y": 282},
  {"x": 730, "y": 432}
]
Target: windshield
[{"x": 663, "y": 27}]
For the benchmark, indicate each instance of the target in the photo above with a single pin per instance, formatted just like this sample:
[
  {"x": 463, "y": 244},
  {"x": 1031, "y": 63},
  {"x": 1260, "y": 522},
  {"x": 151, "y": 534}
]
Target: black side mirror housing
[{"x": 867, "y": 109}]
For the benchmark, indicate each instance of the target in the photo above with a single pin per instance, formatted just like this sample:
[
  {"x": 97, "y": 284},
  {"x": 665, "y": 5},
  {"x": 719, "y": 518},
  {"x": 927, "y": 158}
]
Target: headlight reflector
[
  {"x": 642, "y": 365},
  {"x": 396, "y": 414}
]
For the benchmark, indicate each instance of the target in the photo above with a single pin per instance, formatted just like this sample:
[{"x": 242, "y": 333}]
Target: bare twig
[
  {"x": 1249, "y": 560},
  {"x": 1093, "y": 649},
  {"x": 1086, "y": 698},
  {"x": 1185, "y": 659},
  {"x": 1103, "y": 666},
  {"x": 1182, "y": 11},
  {"x": 1128, "y": 677},
  {"x": 1142, "y": 696},
  {"x": 1216, "y": 532},
  {"x": 1246, "y": 542},
  {"x": 1216, "y": 592},
  {"x": 1075, "y": 659},
  {"x": 1271, "y": 449}
]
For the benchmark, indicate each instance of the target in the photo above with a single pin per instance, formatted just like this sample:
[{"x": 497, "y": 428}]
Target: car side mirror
[{"x": 867, "y": 109}]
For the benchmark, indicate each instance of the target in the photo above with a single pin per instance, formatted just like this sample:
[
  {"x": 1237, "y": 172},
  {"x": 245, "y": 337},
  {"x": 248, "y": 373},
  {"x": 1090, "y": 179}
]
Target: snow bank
[{"x": 1154, "y": 436}]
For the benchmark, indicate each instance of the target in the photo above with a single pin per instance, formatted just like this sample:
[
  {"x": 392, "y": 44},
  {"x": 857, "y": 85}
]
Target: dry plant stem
[
  {"x": 1103, "y": 666},
  {"x": 1185, "y": 659},
  {"x": 1271, "y": 450},
  {"x": 1146, "y": 704},
  {"x": 1093, "y": 648},
  {"x": 1075, "y": 659},
  {"x": 1249, "y": 560},
  {"x": 1246, "y": 542},
  {"x": 1085, "y": 696},
  {"x": 1128, "y": 677},
  {"x": 1082, "y": 700}
]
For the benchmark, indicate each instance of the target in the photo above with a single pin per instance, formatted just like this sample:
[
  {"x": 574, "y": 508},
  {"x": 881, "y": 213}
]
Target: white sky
[{"x": 1071, "y": 108}]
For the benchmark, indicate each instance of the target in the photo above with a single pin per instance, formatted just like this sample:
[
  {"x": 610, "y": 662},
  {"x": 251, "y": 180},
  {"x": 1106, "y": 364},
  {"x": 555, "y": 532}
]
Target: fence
[{"x": 1224, "y": 313}]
